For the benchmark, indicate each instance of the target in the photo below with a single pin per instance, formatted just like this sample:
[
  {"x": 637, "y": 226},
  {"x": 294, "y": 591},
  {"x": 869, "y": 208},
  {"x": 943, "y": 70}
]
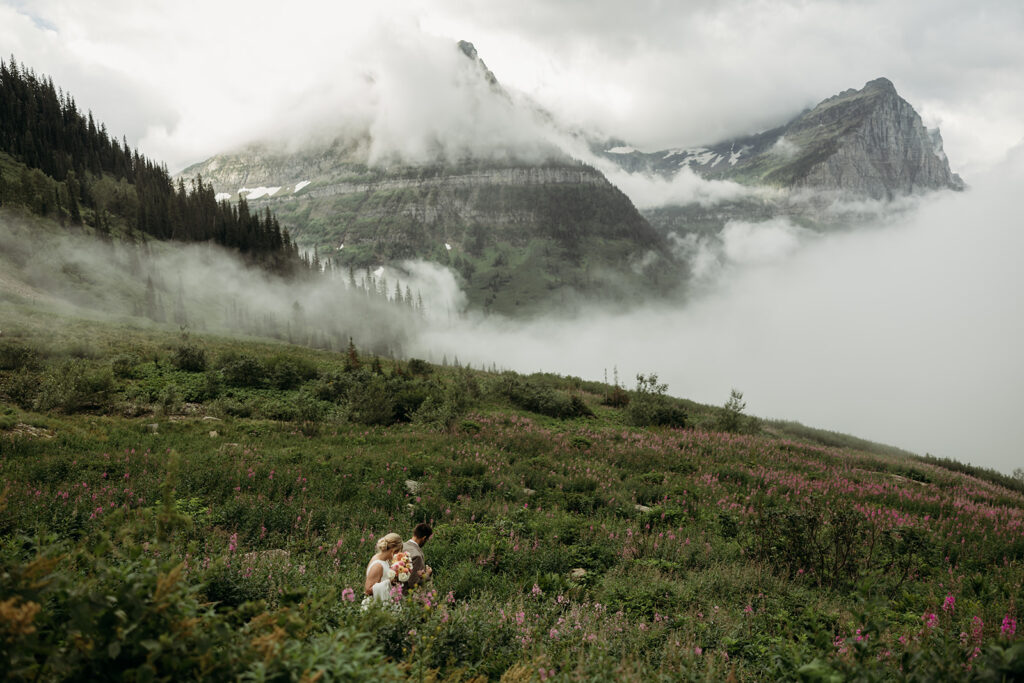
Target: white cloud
[
  {"x": 188, "y": 78},
  {"x": 907, "y": 333},
  {"x": 685, "y": 187},
  {"x": 753, "y": 243}
]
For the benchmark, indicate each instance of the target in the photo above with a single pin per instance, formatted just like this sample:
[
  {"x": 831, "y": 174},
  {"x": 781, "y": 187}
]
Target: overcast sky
[
  {"x": 187, "y": 78},
  {"x": 907, "y": 333}
]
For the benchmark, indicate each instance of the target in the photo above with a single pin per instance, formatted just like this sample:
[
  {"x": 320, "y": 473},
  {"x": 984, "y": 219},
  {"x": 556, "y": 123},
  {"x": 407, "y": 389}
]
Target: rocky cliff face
[
  {"x": 521, "y": 226},
  {"x": 873, "y": 143},
  {"x": 869, "y": 143}
]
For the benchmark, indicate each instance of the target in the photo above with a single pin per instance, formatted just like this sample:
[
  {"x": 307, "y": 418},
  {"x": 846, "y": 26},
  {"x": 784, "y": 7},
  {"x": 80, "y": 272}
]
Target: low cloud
[
  {"x": 905, "y": 332},
  {"x": 784, "y": 148},
  {"x": 648, "y": 191},
  {"x": 738, "y": 245}
]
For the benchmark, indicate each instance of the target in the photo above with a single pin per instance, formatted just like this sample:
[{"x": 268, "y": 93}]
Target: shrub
[
  {"x": 617, "y": 397},
  {"x": 21, "y": 388},
  {"x": 190, "y": 358},
  {"x": 541, "y": 399},
  {"x": 288, "y": 372},
  {"x": 730, "y": 416},
  {"x": 124, "y": 365},
  {"x": 333, "y": 387},
  {"x": 372, "y": 403},
  {"x": 408, "y": 397},
  {"x": 73, "y": 385},
  {"x": 15, "y": 356},
  {"x": 242, "y": 370},
  {"x": 230, "y": 407},
  {"x": 650, "y": 406}
]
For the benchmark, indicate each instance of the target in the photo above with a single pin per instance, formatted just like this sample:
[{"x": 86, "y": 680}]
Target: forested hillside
[{"x": 56, "y": 161}]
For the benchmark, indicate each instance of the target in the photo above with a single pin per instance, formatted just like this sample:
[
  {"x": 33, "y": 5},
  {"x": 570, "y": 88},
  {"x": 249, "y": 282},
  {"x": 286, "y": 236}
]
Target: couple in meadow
[{"x": 398, "y": 567}]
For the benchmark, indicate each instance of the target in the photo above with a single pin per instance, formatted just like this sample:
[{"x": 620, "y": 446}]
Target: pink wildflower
[
  {"x": 949, "y": 604},
  {"x": 348, "y": 595},
  {"x": 537, "y": 592},
  {"x": 930, "y": 620},
  {"x": 1009, "y": 626},
  {"x": 977, "y": 628}
]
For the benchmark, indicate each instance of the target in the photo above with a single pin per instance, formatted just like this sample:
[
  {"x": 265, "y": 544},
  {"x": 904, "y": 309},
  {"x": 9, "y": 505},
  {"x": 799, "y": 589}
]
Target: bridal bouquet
[{"x": 402, "y": 566}]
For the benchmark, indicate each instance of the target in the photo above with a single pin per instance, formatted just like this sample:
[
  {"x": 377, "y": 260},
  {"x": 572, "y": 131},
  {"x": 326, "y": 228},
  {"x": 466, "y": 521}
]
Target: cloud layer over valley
[{"x": 906, "y": 332}]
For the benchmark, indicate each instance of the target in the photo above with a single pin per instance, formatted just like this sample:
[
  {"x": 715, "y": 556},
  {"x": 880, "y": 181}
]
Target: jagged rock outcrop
[{"x": 868, "y": 142}]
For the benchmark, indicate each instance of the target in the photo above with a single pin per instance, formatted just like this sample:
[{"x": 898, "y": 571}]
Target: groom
[{"x": 414, "y": 546}]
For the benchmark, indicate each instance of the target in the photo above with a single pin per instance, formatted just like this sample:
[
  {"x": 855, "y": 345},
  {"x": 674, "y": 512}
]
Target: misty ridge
[{"x": 204, "y": 287}]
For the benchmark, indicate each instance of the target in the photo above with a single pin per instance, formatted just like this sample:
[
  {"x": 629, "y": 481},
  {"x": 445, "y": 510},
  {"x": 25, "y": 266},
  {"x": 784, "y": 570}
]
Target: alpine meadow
[{"x": 330, "y": 351}]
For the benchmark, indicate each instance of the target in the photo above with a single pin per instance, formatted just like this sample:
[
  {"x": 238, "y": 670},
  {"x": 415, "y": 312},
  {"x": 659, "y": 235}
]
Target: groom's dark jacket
[{"x": 418, "y": 563}]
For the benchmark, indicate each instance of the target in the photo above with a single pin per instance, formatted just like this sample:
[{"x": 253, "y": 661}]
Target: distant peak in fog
[{"x": 869, "y": 143}]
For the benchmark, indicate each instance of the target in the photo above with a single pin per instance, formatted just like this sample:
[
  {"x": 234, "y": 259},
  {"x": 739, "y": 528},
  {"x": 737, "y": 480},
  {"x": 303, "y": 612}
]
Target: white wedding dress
[{"x": 381, "y": 589}]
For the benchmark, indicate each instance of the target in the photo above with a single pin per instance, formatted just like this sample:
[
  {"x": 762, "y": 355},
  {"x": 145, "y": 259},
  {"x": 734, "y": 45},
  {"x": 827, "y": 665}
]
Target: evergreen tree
[
  {"x": 351, "y": 357},
  {"x": 42, "y": 129}
]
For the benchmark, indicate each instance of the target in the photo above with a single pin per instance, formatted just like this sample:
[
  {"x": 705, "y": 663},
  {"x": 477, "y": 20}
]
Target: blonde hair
[{"x": 392, "y": 540}]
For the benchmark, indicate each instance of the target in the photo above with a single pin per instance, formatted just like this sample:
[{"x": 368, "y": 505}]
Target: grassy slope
[{"x": 704, "y": 554}]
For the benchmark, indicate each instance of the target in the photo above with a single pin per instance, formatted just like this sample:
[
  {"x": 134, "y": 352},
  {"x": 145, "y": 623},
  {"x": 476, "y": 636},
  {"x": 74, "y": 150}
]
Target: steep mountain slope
[
  {"x": 869, "y": 142},
  {"x": 522, "y": 226}
]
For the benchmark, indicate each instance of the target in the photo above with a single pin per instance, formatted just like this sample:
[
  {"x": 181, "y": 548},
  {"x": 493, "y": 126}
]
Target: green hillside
[{"x": 200, "y": 507}]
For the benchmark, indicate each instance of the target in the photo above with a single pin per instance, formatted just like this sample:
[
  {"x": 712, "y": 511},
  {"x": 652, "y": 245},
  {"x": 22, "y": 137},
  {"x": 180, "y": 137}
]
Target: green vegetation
[
  {"x": 57, "y": 162},
  {"x": 189, "y": 507}
]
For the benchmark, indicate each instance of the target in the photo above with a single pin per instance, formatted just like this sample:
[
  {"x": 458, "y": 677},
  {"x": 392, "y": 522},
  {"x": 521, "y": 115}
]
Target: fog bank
[{"x": 906, "y": 332}]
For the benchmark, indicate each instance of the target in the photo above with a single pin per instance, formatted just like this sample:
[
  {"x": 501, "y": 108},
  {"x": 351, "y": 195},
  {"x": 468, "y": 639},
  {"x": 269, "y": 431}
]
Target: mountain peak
[
  {"x": 882, "y": 84},
  {"x": 467, "y": 48},
  {"x": 868, "y": 142}
]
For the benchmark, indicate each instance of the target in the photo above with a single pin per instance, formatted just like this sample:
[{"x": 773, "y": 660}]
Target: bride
[{"x": 379, "y": 575}]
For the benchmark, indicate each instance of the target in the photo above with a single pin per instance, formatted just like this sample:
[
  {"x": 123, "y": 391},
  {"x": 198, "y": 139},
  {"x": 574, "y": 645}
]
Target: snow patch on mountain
[{"x": 257, "y": 192}]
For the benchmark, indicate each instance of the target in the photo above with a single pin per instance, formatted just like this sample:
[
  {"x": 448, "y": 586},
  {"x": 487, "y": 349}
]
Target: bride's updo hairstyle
[{"x": 390, "y": 541}]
